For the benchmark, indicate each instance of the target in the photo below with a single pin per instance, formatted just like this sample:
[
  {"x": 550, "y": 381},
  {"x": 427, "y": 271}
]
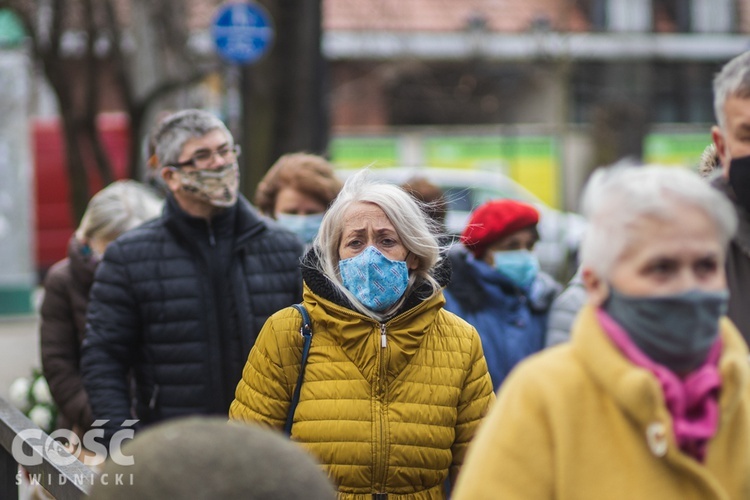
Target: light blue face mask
[
  {"x": 519, "y": 266},
  {"x": 304, "y": 226},
  {"x": 377, "y": 281}
]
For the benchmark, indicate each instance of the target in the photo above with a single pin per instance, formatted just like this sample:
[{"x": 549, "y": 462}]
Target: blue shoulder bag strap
[{"x": 306, "y": 332}]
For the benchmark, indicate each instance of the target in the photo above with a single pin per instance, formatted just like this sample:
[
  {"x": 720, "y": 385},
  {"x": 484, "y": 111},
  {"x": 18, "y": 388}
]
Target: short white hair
[
  {"x": 615, "y": 197},
  {"x": 119, "y": 207},
  {"x": 409, "y": 220},
  {"x": 732, "y": 81}
]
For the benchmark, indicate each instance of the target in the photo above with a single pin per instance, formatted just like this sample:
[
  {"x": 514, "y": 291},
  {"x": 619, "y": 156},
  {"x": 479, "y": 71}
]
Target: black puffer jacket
[{"x": 153, "y": 309}]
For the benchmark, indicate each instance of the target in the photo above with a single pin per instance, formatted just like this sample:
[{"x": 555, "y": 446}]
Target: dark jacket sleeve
[
  {"x": 60, "y": 349},
  {"x": 112, "y": 333}
]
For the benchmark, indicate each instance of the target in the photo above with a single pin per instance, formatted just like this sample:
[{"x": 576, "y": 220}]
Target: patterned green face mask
[{"x": 217, "y": 186}]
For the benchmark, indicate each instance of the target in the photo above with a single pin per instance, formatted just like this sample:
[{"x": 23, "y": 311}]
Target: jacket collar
[
  {"x": 635, "y": 390},
  {"x": 742, "y": 237},
  {"x": 241, "y": 218},
  {"x": 81, "y": 267},
  {"x": 360, "y": 336}
]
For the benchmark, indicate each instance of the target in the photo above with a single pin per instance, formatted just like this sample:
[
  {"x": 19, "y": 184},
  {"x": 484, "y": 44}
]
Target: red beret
[{"x": 494, "y": 220}]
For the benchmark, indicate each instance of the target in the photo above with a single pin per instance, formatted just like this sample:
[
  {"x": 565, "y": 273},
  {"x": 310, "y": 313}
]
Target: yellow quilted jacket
[{"x": 392, "y": 416}]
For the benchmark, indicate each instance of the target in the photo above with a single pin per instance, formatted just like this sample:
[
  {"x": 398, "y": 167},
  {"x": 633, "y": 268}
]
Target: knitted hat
[
  {"x": 204, "y": 458},
  {"x": 494, "y": 220}
]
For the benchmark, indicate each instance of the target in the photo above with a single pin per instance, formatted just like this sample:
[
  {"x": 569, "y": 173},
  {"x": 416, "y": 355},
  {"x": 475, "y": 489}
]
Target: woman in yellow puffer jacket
[{"x": 395, "y": 386}]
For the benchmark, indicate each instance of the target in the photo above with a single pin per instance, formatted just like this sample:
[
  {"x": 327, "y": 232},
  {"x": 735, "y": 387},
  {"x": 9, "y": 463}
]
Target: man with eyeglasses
[{"x": 177, "y": 303}]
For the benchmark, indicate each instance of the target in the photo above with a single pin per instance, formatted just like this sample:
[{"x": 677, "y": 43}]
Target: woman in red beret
[{"x": 497, "y": 286}]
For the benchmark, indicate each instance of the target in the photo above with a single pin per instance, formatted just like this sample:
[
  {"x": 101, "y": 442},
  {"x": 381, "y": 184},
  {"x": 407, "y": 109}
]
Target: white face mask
[
  {"x": 519, "y": 266},
  {"x": 219, "y": 186},
  {"x": 304, "y": 226}
]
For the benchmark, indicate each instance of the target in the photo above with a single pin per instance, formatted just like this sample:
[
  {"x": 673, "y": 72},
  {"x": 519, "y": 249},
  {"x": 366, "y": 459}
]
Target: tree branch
[
  {"x": 122, "y": 74},
  {"x": 168, "y": 86}
]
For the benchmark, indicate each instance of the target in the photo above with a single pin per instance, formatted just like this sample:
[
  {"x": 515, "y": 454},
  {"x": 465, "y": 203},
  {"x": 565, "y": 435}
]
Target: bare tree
[
  {"x": 84, "y": 46},
  {"x": 139, "y": 50}
]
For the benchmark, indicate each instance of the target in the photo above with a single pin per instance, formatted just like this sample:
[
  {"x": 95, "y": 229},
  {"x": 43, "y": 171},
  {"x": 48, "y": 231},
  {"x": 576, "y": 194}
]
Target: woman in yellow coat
[
  {"x": 650, "y": 399},
  {"x": 394, "y": 386}
]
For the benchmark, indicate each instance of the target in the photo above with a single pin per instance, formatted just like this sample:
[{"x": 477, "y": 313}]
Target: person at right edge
[
  {"x": 731, "y": 136},
  {"x": 650, "y": 399}
]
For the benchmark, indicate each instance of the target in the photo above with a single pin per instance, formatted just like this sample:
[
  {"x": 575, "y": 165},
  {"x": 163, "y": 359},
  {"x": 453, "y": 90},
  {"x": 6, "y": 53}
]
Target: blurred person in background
[
  {"x": 564, "y": 309},
  {"x": 201, "y": 458},
  {"x": 731, "y": 137},
  {"x": 119, "y": 207},
  {"x": 497, "y": 285},
  {"x": 394, "y": 385},
  {"x": 297, "y": 191},
  {"x": 179, "y": 301},
  {"x": 432, "y": 199},
  {"x": 651, "y": 397}
]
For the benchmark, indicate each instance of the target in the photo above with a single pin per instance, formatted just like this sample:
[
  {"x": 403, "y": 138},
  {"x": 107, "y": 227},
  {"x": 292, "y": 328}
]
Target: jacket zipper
[{"x": 382, "y": 389}]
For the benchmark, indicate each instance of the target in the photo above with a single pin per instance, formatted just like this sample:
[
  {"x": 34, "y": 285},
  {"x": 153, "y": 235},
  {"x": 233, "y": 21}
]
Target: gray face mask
[{"x": 676, "y": 331}]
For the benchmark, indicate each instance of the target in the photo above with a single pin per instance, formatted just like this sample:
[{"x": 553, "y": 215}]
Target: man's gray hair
[
  {"x": 175, "y": 130},
  {"x": 119, "y": 207},
  {"x": 732, "y": 81},
  {"x": 409, "y": 220},
  {"x": 615, "y": 197}
]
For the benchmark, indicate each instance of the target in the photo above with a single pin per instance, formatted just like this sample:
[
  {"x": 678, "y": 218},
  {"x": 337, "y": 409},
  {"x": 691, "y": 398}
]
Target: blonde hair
[
  {"x": 117, "y": 208},
  {"x": 408, "y": 219}
]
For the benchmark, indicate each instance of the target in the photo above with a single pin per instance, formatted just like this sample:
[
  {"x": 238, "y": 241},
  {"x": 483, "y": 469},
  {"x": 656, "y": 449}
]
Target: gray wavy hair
[
  {"x": 615, "y": 197},
  {"x": 409, "y": 220},
  {"x": 175, "y": 130},
  {"x": 732, "y": 81},
  {"x": 117, "y": 208}
]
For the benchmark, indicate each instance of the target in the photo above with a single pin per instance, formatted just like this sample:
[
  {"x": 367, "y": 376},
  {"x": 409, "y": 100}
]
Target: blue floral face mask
[
  {"x": 375, "y": 280},
  {"x": 519, "y": 266},
  {"x": 304, "y": 226}
]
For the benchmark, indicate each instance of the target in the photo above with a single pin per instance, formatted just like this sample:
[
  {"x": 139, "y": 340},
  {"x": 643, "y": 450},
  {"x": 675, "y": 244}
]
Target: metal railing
[{"x": 49, "y": 464}]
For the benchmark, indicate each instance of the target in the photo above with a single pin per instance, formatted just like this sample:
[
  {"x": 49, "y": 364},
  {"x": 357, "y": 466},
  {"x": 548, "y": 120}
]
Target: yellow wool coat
[
  {"x": 393, "y": 419},
  {"x": 580, "y": 422}
]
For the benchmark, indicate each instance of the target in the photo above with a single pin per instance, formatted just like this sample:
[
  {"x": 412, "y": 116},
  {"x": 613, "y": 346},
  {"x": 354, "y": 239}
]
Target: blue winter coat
[{"x": 511, "y": 322}]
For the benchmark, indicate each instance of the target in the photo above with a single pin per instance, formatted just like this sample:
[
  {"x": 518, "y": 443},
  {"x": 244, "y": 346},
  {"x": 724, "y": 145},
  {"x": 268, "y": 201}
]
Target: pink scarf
[{"x": 692, "y": 401}]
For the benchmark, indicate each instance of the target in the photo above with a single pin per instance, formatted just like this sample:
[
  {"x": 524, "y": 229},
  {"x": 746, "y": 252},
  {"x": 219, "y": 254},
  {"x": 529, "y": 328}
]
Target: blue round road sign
[{"x": 242, "y": 32}]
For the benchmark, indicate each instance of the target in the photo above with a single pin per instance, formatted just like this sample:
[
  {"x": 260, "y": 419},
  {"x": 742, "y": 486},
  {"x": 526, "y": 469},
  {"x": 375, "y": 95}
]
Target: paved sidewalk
[{"x": 19, "y": 348}]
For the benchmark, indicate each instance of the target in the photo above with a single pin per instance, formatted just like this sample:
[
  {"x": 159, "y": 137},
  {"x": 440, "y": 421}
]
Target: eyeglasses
[{"x": 204, "y": 158}]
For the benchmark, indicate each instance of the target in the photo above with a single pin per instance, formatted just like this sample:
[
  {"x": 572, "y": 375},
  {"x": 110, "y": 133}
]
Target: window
[
  {"x": 711, "y": 16},
  {"x": 629, "y": 15}
]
